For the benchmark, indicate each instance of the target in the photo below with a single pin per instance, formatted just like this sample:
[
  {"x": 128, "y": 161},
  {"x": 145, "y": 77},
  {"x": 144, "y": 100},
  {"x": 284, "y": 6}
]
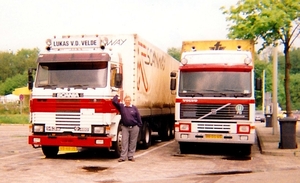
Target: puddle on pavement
[
  {"x": 94, "y": 168},
  {"x": 228, "y": 172},
  {"x": 238, "y": 158}
]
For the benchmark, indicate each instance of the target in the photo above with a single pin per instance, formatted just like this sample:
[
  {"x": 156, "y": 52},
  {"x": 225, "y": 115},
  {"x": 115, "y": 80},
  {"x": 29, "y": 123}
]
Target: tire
[
  {"x": 165, "y": 132},
  {"x": 50, "y": 151},
  {"x": 146, "y": 139},
  {"x": 172, "y": 131},
  {"x": 184, "y": 147},
  {"x": 244, "y": 150},
  {"x": 117, "y": 145}
]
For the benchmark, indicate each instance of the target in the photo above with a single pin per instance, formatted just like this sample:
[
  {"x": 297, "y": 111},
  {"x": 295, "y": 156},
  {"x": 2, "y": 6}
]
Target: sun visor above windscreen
[{"x": 74, "y": 57}]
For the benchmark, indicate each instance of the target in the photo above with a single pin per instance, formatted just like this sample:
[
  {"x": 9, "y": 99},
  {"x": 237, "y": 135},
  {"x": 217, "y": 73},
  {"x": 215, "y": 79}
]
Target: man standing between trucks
[{"x": 131, "y": 122}]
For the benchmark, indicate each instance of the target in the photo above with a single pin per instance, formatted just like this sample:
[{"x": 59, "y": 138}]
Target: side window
[
  {"x": 113, "y": 71},
  {"x": 43, "y": 75}
]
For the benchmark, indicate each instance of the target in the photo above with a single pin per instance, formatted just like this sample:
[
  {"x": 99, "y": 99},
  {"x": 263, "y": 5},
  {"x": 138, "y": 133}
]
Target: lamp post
[
  {"x": 274, "y": 98},
  {"x": 263, "y": 91}
]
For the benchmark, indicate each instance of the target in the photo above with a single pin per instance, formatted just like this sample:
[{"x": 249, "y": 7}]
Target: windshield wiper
[
  {"x": 78, "y": 86},
  {"x": 211, "y": 90},
  {"x": 187, "y": 91},
  {"x": 233, "y": 90},
  {"x": 191, "y": 93},
  {"x": 241, "y": 94},
  {"x": 48, "y": 86}
]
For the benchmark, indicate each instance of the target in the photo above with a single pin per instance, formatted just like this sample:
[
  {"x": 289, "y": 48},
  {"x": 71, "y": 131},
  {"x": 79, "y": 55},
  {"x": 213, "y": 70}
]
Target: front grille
[
  {"x": 215, "y": 127},
  {"x": 214, "y": 111},
  {"x": 67, "y": 120}
]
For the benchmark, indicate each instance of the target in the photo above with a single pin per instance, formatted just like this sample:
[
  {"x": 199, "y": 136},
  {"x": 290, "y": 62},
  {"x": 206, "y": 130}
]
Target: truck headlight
[
  {"x": 98, "y": 129},
  {"x": 38, "y": 128}
]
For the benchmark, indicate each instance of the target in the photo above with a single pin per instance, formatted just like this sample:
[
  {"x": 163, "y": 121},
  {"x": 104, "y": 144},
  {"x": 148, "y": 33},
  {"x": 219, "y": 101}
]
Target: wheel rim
[
  {"x": 169, "y": 131},
  {"x": 147, "y": 136},
  {"x": 119, "y": 139}
]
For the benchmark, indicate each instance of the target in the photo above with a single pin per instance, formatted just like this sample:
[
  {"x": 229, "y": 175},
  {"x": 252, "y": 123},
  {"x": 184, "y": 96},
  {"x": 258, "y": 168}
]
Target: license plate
[
  {"x": 67, "y": 149},
  {"x": 213, "y": 136}
]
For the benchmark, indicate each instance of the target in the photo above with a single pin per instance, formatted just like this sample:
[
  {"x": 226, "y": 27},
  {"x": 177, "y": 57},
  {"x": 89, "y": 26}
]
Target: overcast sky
[{"x": 164, "y": 23}]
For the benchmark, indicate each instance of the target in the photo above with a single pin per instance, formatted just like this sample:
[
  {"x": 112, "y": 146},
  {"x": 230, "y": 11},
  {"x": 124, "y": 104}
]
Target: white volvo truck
[{"x": 214, "y": 89}]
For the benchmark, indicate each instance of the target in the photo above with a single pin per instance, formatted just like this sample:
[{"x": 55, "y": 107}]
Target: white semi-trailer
[{"x": 76, "y": 79}]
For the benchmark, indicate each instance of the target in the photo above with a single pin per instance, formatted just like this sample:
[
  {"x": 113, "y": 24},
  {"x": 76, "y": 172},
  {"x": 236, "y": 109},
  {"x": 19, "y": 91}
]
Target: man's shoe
[
  {"x": 121, "y": 160},
  {"x": 131, "y": 159}
]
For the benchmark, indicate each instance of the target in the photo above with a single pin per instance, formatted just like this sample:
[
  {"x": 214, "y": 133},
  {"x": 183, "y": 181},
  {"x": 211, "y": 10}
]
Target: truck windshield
[
  {"x": 215, "y": 84},
  {"x": 72, "y": 75}
]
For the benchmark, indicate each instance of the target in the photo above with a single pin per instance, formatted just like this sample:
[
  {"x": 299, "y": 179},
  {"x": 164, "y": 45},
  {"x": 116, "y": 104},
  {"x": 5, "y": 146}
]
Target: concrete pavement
[{"x": 269, "y": 140}]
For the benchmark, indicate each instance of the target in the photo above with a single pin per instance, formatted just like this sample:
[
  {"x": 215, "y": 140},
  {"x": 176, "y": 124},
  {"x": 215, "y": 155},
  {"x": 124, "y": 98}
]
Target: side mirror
[
  {"x": 173, "y": 81},
  {"x": 30, "y": 78},
  {"x": 118, "y": 80},
  {"x": 258, "y": 84}
]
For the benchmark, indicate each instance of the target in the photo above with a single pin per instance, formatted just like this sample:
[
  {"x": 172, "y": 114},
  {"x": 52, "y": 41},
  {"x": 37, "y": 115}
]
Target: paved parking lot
[{"x": 162, "y": 162}]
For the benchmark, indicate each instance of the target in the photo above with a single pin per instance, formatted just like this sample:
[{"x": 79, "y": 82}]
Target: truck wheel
[
  {"x": 117, "y": 145},
  {"x": 165, "y": 132},
  {"x": 50, "y": 151},
  {"x": 184, "y": 147},
  {"x": 244, "y": 150},
  {"x": 172, "y": 131},
  {"x": 146, "y": 140}
]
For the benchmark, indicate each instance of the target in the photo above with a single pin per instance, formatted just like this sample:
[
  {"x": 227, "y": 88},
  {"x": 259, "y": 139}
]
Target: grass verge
[{"x": 14, "y": 119}]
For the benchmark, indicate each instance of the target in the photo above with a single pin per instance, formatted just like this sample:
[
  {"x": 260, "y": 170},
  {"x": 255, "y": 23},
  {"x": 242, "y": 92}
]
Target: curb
[{"x": 276, "y": 152}]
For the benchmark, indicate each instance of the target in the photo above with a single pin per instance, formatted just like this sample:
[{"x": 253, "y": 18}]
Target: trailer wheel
[
  {"x": 50, "y": 151},
  {"x": 117, "y": 145},
  {"x": 165, "y": 132},
  {"x": 146, "y": 140}
]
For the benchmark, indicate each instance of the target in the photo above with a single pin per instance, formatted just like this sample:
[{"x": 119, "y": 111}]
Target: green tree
[
  {"x": 259, "y": 68},
  {"x": 24, "y": 59},
  {"x": 6, "y": 62},
  {"x": 12, "y": 83},
  {"x": 12, "y": 64},
  {"x": 294, "y": 58},
  {"x": 295, "y": 90},
  {"x": 271, "y": 21},
  {"x": 175, "y": 53},
  {"x": 13, "y": 69},
  {"x": 295, "y": 69}
]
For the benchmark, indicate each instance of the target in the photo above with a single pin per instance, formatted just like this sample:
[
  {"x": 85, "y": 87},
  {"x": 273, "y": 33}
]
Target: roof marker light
[
  {"x": 48, "y": 42},
  {"x": 184, "y": 61},
  {"x": 247, "y": 60}
]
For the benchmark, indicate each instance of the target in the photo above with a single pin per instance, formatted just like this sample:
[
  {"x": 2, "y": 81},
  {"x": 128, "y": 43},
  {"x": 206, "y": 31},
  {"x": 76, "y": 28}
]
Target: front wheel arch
[{"x": 117, "y": 145}]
